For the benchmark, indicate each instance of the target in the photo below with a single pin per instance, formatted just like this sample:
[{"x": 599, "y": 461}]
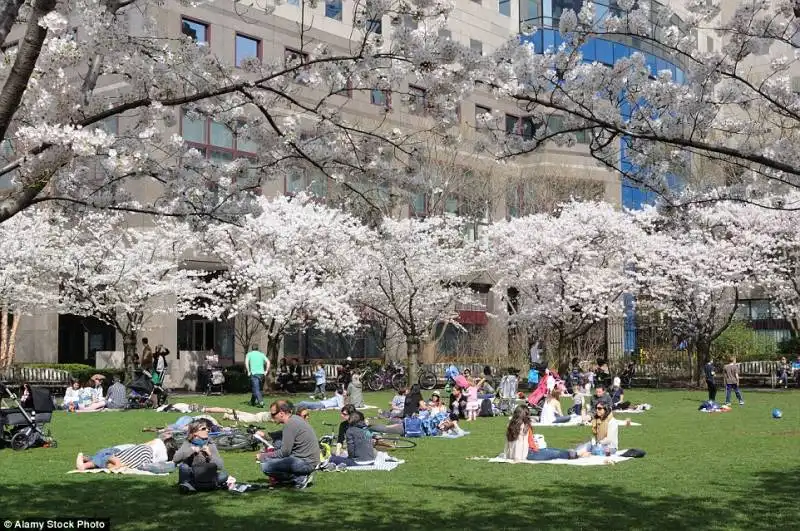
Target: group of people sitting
[{"x": 91, "y": 397}]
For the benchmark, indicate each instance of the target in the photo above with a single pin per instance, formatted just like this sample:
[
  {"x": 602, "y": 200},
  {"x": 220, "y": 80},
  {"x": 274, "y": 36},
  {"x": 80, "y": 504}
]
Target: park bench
[
  {"x": 439, "y": 369},
  {"x": 758, "y": 373},
  {"x": 54, "y": 379},
  {"x": 331, "y": 374}
]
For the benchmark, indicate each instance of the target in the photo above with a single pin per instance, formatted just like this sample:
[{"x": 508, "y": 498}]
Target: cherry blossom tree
[
  {"x": 296, "y": 264},
  {"x": 569, "y": 269},
  {"x": 416, "y": 273},
  {"x": 23, "y": 270},
  {"x": 121, "y": 274},
  {"x": 691, "y": 268}
]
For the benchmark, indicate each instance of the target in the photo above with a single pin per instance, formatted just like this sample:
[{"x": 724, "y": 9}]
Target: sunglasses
[
  {"x": 202, "y": 428},
  {"x": 273, "y": 415},
  {"x": 304, "y": 416}
]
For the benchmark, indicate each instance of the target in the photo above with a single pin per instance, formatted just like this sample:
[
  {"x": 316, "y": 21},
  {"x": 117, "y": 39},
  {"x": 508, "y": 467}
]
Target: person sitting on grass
[
  {"x": 92, "y": 395},
  {"x": 618, "y": 396},
  {"x": 600, "y": 397},
  {"x": 345, "y": 413},
  {"x": 458, "y": 404},
  {"x": 355, "y": 388},
  {"x": 360, "y": 445},
  {"x": 551, "y": 410},
  {"x": 435, "y": 406},
  {"x": 397, "y": 404},
  {"x": 117, "y": 395},
  {"x": 336, "y": 402},
  {"x": 129, "y": 455},
  {"x": 276, "y": 437},
  {"x": 193, "y": 458},
  {"x": 413, "y": 402},
  {"x": 298, "y": 456},
  {"x": 521, "y": 444},
  {"x": 605, "y": 433},
  {"x": 72, "y": 396}
]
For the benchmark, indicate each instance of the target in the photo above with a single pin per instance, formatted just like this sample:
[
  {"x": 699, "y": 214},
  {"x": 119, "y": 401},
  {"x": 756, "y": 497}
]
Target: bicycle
[
  {"x": 382, "y": 441},
  {"x": 391, "y": 375},
  {"x": 231, "y": 438},
  {"x": 427, "y": 379}
]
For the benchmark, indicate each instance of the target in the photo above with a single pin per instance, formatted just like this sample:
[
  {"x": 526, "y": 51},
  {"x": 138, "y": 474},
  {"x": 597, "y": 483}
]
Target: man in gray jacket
[{"x": 298, "y": 455}]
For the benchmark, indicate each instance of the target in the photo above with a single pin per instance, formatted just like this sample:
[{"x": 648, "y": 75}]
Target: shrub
[
  {"x": 789, "y": 347},
  {"x": 80, "y": 371},
  {"x": 745, "y": 343}
]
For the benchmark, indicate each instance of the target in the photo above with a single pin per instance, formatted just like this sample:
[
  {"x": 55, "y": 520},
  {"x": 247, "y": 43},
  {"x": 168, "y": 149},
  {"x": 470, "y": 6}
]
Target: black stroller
[
  {"x": 21, "y": 427},
  {"x": 213, "y": 376},
  {"x": 142, "y": 390}
]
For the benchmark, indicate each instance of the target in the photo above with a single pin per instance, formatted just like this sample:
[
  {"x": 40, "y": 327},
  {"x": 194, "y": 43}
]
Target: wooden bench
[
  {"x": 54, "y": 379},
  {"x": 759, "y": 372},
  {"x": 439, "y": 369},
  {"x": 331, "y": 374}
]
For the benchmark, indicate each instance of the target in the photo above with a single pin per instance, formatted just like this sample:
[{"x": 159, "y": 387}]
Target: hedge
[{"x": 80, "y": 371}]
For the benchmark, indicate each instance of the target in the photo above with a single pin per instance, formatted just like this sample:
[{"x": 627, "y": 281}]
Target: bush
[
  {"x": 789, "y": 347},
  {"x": 236, "y": 379},
  {"x": 745, "y": 343},
  {"x": 80, "y": 371}
]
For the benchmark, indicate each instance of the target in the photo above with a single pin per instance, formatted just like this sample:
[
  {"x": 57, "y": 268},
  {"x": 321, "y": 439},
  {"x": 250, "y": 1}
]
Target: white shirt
[
  {"x": 551, "y": 382},
  {"x": 548, "y": 415}
]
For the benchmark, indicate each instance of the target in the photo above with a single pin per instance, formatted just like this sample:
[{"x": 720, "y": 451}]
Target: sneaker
[
  {"x": 304, "y": 482},
  {"x": 727, "y": 404},
  {"x": 186, "y": 488},
  {"x": 741, "y": 402},
  {"x": 341, "y": 467}
]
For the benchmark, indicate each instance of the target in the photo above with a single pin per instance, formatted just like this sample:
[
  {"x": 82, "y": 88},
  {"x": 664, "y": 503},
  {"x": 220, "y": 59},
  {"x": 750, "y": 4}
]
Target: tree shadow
[{"x": 427, "y": 503}]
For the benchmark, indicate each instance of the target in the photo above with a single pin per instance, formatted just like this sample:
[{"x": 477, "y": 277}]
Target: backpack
[
  {"x": 486, "y": 408},
  {"x": 204, "y": 476},
  {"x": 412, "y": 426}
]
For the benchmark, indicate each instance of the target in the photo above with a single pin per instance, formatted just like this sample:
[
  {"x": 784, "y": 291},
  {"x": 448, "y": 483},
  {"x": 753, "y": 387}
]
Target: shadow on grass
[{"x": 154, "y": 503}]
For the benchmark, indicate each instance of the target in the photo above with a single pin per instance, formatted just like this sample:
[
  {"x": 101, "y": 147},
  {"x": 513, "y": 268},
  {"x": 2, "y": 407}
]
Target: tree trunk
[
  {"x": 412, "y": 351},
  {"x": 273, "y": 349},
  {"x": 3, "y": 335},
  {"x": 129, "y": 351},
  {"x": 11, "y": 341},
  {"x": 703, "y": 354}
]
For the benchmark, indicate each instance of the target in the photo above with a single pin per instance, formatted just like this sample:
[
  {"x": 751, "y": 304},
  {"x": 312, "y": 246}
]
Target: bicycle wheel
[
  {"x": 399, "y": 381},
  {"x": 395, "y": 443},
  {"x": 374, "y": 381},
  {"x": 427, "y": 380},
  {"x": 234, "y": 441}
]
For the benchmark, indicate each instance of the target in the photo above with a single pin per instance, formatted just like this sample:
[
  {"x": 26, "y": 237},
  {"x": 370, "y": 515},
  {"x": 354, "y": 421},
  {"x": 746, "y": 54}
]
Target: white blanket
[
  {"x": 383, "y": 461},
  {"x": 451, "y": 435},
  {"x": 592, "y": 460},
  {"x": 620, "y": 422},
  {"x": 124, "y": 470}
]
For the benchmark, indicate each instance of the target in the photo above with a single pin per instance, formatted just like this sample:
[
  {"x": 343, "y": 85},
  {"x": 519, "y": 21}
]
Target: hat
[
  {"x": 98, "y": 377},
  {"x": 349, "y": 358},
  {"x": 436, "y": 393}
]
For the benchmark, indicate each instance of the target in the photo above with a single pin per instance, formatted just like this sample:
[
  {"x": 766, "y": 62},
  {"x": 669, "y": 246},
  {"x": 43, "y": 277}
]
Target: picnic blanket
[
  {"x": 451, "y": 435},
  {"x": 591, "y": 460},
  {"x": 124, "y": 470},
  {"x": 620, "y": 423},
  {"x": 383, "y": 462}
]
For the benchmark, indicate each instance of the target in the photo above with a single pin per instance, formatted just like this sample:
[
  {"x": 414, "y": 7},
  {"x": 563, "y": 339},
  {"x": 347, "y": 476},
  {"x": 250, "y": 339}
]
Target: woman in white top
[
  {"x": 72, "y": 396},
  {"x": 92, "y": 395},
  {"x": 551, "y": 411},
  {"x": 605, "y": 433},
  {"x": 521, "y": 444}
]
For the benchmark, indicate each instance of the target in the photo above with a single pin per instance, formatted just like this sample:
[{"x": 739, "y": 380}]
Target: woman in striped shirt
[{"x": 129, "y": 456}]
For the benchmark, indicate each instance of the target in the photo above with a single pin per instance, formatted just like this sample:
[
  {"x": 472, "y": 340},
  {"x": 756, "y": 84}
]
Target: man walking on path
[{"x": 257, "y": 365}]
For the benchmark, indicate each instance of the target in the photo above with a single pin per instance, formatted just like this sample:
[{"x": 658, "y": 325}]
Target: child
[
  {"x": 72, "y": 396},
  {"x": 578, "y": 399},
  {"x": 533, "y": 378},
  {"x": 731, "y": 376},
  {"x": 197, "y": 457},
  {"x": 398, "y": 403},
  {"x": 319, "y": 379},
  {"x": 473, "y": 405}
]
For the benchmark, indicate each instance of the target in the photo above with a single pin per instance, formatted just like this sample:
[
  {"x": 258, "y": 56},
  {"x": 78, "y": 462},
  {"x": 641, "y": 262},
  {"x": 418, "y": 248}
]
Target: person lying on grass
[
  {"x": 521, "y": 444},
  {"x": 129, "y": 455},
  {"x": 337, "y": 402},
  {"x": 193, "y": 459}
]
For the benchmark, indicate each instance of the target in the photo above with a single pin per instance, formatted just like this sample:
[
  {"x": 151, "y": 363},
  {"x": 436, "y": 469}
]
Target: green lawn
[{"x": 736, "y": 470}]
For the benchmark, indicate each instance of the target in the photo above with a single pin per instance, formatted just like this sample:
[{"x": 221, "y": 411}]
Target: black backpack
[
  {"x": 486, "y": 408},
  {"x": 204, "y": 476}
]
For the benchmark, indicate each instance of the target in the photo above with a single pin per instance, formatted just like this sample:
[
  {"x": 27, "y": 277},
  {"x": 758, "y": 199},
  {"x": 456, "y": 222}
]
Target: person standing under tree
[
  {"x": 731, "y": 375},
  {"x": 147, "y": 354},
  {"x": 708, "y": 369},
  {"x": 257, "y": 366}
]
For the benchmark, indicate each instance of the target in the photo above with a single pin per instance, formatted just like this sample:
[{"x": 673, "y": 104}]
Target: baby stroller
[
  {"x": 142, "y": 391},
  {"x": 539, "y": 395},
  {"x": 22, "y": 427},
  {"x": 507, "y": 394},
  {"x": 214, "y": 376}
]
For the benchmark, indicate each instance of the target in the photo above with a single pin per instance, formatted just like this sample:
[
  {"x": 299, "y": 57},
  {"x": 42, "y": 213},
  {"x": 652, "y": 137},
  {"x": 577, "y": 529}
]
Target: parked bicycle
[
  {"x": 382, "y": 441},
  {"x": 395, "y": 376},
  {"x": 232, "y": 438}
]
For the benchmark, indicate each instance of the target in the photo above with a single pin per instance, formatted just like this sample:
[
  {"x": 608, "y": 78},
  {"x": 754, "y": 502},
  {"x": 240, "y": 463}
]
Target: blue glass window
[
  {"x": 605, "y": 52},
  {"x": 549, "y": 38},
  {"x": 333, "y": 9},
  {"x": 661, "y": 65},
  {"x": 589, "y": 50},
  {"x": 679, "y": 76},
  {"x": 620, "y": 51},
  {"x": 504, "y": 7},
  {"x": 651, "y": 63}
]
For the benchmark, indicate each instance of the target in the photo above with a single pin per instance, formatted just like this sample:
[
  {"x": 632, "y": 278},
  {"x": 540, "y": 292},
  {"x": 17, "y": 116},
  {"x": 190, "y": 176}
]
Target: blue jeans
[
  {"x": 735, "y": 389},
  {"x": 286, "y": 468},
  {"x": 562, "y": 419},
  {"x": 341, "y": 460},
  {"x": 185, "y": 475},
  {"x": 547, "y": 454},
  {"x": 309, "y": 405},
  {"x": 100, "y": 459},
  {"x": 256, "y": 382}
]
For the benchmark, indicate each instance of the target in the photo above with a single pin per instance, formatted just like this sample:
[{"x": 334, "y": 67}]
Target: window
[
  {"x": 557, "y": 7},
  {"x": 214, "y": 139},
  {"x": 381, "y": 97},
  {"x": 198, "y": 31},
  {"x": 476, "y": 46},
  {"x": 417, "y": 102},
  {"x": 418, "y": 206},
  {"x": 333, "y": 9},
  {"x": 523, "y": 127},
  {"x": 477, "y": 1},
  {"x": 709, "y": 44},
  {"x": 374, "y": 26},
  {"x": 293, "y": 58},
  {"x": 504, "y": 6},
  {"x": 293, "y": 2},
  {"x": 247, "y": 48},
  {"x": 110, "y": 125},
  {"x": 480, "y": 111},
  {"x": 300, "y": 180}
]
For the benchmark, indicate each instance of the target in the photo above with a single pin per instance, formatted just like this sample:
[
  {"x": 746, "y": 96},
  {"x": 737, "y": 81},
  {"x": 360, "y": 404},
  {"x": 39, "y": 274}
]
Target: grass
[{"x": 737, "y": 470}]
